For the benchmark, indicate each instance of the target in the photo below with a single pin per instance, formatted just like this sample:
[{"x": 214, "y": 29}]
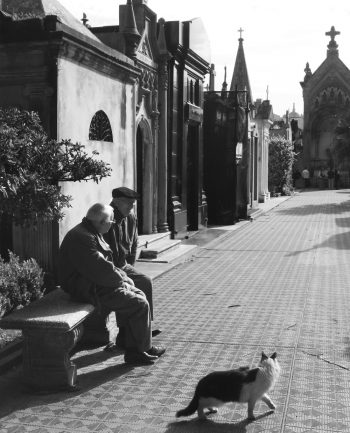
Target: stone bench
[{"x": 51, "y": 327}]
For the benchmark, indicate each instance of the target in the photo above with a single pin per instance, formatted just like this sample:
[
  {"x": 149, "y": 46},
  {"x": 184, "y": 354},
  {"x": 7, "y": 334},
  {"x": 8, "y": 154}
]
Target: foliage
[
  {"x": 281, "y": 158},
  {"x": 21, "y": 282},
  {"x": 32, "y": 165}
]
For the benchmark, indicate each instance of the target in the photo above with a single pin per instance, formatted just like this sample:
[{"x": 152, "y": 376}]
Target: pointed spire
[
  {"x": 224, "y": 84},
  {"x": 162, "y": 46},
  {"x": 212, "y": 74},
  {"x": 307, "y": 71},
  {"x": 240, "y": 78},
  {"x": 131, "y": 34},
  {"x": 130, "y": 27}
]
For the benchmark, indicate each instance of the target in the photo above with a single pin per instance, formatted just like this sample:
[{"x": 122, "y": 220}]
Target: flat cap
[{"x": 125, "y": 192}]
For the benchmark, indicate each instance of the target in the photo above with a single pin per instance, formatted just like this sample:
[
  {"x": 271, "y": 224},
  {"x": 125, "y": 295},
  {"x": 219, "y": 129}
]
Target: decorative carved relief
[
  {"x": 145, "y": 48},
  {"x": 100, "y": 128},
  {"x": 148, "y": 79},
  {"x": 332, "y": 95}
]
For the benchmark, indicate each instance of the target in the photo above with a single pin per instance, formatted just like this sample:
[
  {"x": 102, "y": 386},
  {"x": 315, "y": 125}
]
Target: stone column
[
  {"x": 155, "y": 130},
  {"x": 163, "y": 132}
]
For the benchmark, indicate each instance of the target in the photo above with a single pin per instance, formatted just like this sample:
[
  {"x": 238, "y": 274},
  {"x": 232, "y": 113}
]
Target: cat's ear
[
  {"x": 263, "y": 356},
  {"x": 274, "y": 355}
]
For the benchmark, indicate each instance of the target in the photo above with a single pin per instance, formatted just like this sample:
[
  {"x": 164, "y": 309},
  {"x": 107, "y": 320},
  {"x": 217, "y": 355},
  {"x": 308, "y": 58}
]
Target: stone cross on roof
[
  {"x": 240, "y": 30},
  {"x": 332, "y": 33},
  {"x": 332, "y": 46}
]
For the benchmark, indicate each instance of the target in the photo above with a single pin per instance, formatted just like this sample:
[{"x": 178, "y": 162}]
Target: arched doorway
[{"x": 144, "y": 176}]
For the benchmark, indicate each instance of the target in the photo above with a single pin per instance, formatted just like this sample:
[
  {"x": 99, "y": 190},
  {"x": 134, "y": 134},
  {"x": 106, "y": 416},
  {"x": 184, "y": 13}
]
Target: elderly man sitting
[{"x": 88, "y": 274}]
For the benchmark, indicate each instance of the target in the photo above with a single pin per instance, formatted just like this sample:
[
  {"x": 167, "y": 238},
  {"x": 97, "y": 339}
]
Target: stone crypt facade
[
  {"x": 169, "y": 106},
  {"x": 82, "y": 89},
  {"x": 133, "y": 92},
  {"x": 326, "y": 95}
]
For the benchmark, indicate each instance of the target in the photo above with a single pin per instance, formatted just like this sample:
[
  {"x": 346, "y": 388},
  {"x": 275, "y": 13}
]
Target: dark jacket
[
  {"x": 85, "y": 263},
  {"x": 122, "y": 238}
]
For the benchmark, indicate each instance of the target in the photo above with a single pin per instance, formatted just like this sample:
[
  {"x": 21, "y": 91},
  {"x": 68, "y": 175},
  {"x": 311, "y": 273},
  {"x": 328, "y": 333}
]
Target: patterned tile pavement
[{"x": 280, "y": 283}]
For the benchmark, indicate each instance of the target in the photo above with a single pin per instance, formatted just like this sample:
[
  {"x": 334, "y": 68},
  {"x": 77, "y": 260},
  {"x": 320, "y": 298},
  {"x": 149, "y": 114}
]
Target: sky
[{"x": 279, "y": 37}]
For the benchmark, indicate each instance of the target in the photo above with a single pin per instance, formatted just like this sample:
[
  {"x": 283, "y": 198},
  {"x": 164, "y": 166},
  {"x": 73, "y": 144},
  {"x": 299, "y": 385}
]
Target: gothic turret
[
  {"x": 130, "y": 32},
  {"x": 240, "y": 78}
]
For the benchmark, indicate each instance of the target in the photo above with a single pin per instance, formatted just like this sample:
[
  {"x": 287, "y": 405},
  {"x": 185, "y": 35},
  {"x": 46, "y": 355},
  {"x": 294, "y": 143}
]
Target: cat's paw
[
  {"x": 272, "y": 405},
  {"x": 212, "y": 410}
]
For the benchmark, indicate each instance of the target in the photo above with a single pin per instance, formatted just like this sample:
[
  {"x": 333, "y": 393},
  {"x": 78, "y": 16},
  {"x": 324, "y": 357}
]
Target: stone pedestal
[{"x": 46, "y": 358}]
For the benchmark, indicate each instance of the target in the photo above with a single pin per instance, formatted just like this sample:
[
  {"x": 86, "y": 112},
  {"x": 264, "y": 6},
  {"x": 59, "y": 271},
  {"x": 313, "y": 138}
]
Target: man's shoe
[
  {"x": 156, "y": 332},
  {"x": 156, "y": 351},
  {"x": 139, "y": 358}
]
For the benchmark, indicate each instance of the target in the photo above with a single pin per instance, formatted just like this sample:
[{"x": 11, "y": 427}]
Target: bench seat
[{"x": 51, "y": 327}]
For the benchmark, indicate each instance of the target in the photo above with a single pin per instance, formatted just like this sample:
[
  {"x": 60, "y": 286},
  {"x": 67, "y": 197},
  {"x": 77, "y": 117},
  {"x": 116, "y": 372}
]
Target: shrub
[
  {"x": 281, "y": 158},
  {"x": 21, "y": 282},
  {"x": 32, "y": 166}
]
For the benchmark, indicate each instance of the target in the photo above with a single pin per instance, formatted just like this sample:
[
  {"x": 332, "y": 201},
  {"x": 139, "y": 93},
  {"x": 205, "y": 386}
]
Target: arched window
[{"x": 100, "y": 127}]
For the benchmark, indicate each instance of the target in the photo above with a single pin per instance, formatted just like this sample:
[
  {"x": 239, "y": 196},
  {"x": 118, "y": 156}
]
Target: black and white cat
[{"x": 243, "y": 385}]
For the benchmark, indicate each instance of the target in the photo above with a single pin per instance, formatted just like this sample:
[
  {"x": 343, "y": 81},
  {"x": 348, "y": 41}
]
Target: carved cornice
[
  {"x": 68, "y": 43},
  {"x": 75, "y": 52}
]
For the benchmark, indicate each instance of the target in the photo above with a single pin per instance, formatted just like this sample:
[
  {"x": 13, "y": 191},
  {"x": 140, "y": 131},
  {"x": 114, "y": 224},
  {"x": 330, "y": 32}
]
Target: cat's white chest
[{"x": 255, "y": 390}]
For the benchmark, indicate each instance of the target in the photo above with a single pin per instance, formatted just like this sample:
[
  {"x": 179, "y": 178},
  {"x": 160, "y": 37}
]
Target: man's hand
[{"x": 128, "y": 280}]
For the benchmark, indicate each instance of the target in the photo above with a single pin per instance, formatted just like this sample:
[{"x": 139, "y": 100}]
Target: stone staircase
[{"x": 159, "y": 248}]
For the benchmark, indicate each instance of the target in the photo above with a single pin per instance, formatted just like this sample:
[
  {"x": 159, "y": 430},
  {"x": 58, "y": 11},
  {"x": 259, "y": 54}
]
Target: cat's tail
[{"x": 190, "y": 409}]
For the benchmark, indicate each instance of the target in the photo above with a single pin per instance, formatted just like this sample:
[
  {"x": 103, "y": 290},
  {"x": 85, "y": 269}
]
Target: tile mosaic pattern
[{"x": 280, "y": 283}]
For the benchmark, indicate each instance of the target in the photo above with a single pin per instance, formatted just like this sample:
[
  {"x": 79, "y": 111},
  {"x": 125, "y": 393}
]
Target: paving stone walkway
[{"x": 280, "y": 283}]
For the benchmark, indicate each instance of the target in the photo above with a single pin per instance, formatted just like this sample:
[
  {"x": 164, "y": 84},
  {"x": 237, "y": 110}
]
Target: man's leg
[
  {"x": 142, "y": 282},
  {"x": 133, "y": 312}
]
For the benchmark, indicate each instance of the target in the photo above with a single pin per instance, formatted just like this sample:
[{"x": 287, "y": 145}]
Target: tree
[
  {"x": 32, "y": 165},
  {"x": 281, "y": 158}
]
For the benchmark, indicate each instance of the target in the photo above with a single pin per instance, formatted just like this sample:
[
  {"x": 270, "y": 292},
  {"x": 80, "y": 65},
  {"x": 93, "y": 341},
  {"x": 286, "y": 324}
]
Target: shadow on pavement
[
  {"x": 20, "y": 397},
  {"x": 209, "y": 426},
  {"x": 340, "y": 241},
  {"x": 310, "y": 209}
]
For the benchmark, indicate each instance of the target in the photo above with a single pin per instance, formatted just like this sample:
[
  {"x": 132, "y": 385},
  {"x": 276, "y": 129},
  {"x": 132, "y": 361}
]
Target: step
[
  {"x": 158, "y": 248},
  {"x": 174, "y": 256},
  {"x": 151, "y": 239}
]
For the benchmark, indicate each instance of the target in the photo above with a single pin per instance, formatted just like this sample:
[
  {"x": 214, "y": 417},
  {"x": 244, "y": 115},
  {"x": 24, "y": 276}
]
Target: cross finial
[
  {"x": 85, "y": 19},
  {"x": 332, "y": 33},
  {"x": 240, "y": 30},
  {"x": 332, "y": 46}
]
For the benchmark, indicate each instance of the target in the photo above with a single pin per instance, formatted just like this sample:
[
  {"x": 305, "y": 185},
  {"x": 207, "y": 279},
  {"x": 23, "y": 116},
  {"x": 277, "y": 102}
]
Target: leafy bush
[
  {"x": 32, "y": 165},
  {"x": 21, "y": 282},
  {"x": 281, "y": 158}
]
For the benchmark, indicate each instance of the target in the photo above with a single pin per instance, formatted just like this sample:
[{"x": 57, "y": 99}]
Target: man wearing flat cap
[{"x": 122, "y": 238}]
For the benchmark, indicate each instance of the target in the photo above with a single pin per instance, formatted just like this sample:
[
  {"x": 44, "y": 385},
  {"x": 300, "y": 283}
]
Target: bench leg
[{"x": 46, "y": 360}]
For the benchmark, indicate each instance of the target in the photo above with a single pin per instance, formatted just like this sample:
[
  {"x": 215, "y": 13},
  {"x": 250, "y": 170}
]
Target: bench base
[{"x": 46, "y": 359}]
